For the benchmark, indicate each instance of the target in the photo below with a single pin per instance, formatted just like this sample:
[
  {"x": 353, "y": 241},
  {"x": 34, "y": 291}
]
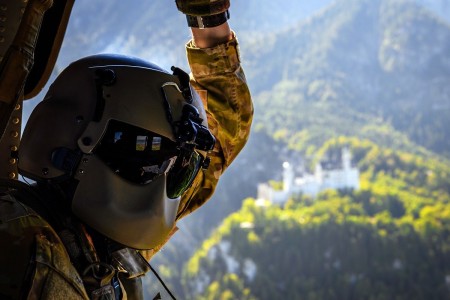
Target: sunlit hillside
[{"x": 390, "y": 237}]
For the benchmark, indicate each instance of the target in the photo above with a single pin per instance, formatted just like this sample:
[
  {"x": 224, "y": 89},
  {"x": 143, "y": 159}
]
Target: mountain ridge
[{"x": 386, "y": 59}]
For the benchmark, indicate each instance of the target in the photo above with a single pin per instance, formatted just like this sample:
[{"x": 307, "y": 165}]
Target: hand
[{"x": 202, "y": 7}]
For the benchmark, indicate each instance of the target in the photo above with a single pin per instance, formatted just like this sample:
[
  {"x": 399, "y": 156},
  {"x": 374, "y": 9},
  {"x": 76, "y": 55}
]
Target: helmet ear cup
[{"x": 57, "y": 121}]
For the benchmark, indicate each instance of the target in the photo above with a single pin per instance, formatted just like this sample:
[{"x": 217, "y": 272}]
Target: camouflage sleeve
[{"x": 219, "y": 79}]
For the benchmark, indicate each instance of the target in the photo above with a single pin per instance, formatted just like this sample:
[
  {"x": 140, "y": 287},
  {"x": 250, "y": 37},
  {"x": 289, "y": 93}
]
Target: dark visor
[{"x": 141, "y": 156}]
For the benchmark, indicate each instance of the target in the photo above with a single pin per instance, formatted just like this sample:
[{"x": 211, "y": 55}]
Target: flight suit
[{"x": 35, "y": 262}]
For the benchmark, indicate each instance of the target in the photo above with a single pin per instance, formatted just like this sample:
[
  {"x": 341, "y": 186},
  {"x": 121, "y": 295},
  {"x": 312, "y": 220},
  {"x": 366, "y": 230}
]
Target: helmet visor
[
  {"x": 183, "y": 172},
  {"x": 140, "y": 156}
]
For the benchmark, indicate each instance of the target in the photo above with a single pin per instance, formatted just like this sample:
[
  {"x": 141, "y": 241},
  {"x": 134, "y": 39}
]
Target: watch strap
[{"x": 208, "y": 21}]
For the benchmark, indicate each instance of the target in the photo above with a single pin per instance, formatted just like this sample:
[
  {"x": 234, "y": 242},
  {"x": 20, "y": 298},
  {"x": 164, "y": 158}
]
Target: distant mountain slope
[
  {"x": 156, "y": 30},
  {"x": 372, "y": 59}
]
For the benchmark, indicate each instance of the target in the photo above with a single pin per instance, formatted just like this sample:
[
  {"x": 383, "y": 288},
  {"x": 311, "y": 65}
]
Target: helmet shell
[
  {"x": 74, "y": 115},
  {"x": 71, "y": 115}
]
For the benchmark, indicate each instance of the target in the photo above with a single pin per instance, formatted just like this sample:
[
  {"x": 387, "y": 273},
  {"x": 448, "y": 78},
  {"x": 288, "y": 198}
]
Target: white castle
[{"x": 330, "y": 174}]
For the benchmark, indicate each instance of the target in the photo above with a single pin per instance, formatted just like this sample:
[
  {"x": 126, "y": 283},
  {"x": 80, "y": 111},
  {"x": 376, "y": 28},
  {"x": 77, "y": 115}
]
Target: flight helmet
[{"x": 130, "y": 135}]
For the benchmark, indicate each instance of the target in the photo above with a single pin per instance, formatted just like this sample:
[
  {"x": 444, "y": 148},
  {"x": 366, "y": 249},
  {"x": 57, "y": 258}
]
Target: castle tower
[
  {"x": 346, "y": 159},
  {"x": 288, "y": 176}
]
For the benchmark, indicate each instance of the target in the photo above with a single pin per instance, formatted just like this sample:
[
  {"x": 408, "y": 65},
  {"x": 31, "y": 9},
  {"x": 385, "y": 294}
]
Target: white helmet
[{"x": 129, "y": 134}]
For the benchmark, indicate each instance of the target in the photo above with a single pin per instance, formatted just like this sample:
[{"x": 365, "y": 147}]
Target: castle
[{"x": 336, "y": 172}]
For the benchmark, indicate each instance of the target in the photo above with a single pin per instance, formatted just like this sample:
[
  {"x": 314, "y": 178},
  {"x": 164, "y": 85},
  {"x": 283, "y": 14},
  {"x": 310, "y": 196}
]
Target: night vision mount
[{"x": 189, "y": 131}]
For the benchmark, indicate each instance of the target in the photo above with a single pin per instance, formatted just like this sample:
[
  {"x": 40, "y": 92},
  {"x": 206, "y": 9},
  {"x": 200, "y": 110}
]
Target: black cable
[
  {"x": 159, "y": 278},
  {"x": 162, "y": 282}
]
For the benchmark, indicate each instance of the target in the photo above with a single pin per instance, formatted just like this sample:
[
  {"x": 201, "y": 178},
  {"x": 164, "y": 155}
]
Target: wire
[
  {"x": 162, "y": 282},
  {"x": 159, "y": 278}
]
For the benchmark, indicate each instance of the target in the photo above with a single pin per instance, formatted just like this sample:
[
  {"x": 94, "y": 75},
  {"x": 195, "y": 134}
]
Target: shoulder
[
  {"x": 31, "y": 252},
  {"x": 18, "y": 227},
  {"x": 19, "y": 223},
  {"x": 17, "y": 242}
]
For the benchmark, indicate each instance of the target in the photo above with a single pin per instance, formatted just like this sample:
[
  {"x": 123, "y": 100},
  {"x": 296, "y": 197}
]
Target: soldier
[{"x": 121, "y": 149}]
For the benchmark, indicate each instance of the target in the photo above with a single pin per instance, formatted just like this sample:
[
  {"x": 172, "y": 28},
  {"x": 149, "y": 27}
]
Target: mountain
[
  {"x": 155, "y": 30},
  {"x": 334, "y": 75},
  {"x": 358, "y": 63},
  {"x": 384, "y": 49}
]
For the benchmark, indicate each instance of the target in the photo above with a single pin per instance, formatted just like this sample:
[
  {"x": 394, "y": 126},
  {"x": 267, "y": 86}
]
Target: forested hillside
[
  {"x": 328, "y": 76},
  {"x": 388, "y": 240}
]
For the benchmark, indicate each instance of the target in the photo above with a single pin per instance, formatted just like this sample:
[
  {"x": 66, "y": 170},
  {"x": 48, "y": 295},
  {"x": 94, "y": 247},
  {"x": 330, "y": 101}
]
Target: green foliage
[
  {"x": 229, "y": 288},
  {"x": 276, "y": 185},
  {"x": 391, "y": 237}
]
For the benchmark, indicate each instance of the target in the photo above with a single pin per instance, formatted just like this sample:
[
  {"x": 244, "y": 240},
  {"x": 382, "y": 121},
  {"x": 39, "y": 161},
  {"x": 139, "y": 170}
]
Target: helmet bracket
[
  {"x": 184, "y": 83},
  {"x": 188, "y": 129},
  {"x": 103, "y": 77}
]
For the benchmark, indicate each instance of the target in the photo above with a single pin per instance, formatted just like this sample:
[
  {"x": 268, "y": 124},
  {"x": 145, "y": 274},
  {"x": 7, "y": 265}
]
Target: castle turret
[
  {"x": 288, "y": 176},
  {"x": 346, "y": 159}
]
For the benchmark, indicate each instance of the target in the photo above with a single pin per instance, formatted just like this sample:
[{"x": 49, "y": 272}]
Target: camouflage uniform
[{"x": 34, "y": 261}]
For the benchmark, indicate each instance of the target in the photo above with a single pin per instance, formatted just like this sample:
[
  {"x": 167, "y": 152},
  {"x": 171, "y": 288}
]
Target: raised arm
[{"x": 218, "y": 77}]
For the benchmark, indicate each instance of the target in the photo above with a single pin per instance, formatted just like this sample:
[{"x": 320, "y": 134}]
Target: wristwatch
[{"x": 208, "y": 21}]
